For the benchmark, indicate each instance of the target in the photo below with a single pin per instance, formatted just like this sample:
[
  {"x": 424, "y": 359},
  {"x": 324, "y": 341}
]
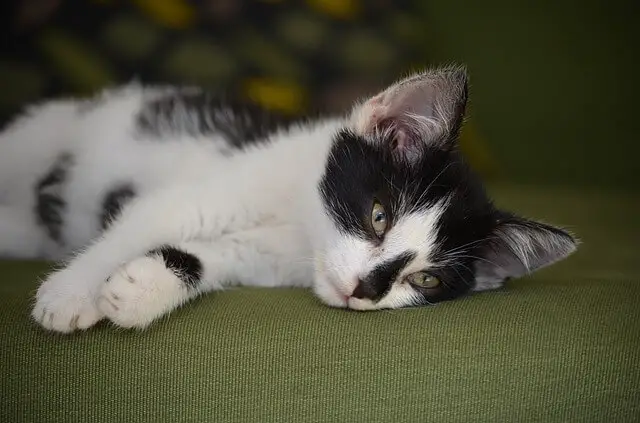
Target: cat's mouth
[
  {"x": 347, "y": 301},
  {"x": 329, "y": 293}
]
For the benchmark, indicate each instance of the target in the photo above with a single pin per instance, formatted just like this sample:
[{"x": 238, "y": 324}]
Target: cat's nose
[{"x": 363, "y": 290}]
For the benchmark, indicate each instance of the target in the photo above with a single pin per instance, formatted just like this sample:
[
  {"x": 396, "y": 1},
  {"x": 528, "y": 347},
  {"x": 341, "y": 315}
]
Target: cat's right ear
[
  {"x": 425, "y": 109},
  {"x": 518, "y": 247}
]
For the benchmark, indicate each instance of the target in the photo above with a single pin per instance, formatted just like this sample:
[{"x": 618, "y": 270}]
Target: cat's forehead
[
  {"x": 360, "y": 170},
  {"x": 415, "y": 231},
  {"x": 433, "y": 205}
]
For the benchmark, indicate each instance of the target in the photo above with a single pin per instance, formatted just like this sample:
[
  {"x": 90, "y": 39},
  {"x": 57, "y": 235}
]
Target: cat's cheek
[
  {"x": 400, "y": 295},
  {"x": 328, "y": 293},
  {"x": 346, "y": 259},
  {"x": 324, "y": 288}
]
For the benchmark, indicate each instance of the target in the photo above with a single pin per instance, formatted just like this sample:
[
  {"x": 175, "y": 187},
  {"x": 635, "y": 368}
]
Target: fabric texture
[{"x": 560, "y": 346}]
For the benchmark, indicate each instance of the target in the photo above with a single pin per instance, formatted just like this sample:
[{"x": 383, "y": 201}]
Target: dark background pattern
[
  {"x": 553, "y": 84},
  {"x": 295, "y": 57},
  {"x": 287, "y": 55}
]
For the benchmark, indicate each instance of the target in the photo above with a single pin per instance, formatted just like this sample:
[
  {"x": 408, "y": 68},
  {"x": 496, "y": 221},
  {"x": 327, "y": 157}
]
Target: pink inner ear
[
  {"x": 374, "y": 101},
  {"x": 383, "y": 113},
  {"x": 402, "y": 139},
  {"x": 381, "y": 118},
  {"x": 377, "y": 117}
]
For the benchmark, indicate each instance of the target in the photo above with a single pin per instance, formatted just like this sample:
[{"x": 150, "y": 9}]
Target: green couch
[{"x": 560, "y": 346}]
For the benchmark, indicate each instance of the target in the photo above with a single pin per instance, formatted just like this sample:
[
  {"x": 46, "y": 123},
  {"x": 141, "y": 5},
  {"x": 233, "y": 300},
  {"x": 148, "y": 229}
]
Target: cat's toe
[
  {"x": 140, "y": 292},
  {"x": 63, "y": 307}
]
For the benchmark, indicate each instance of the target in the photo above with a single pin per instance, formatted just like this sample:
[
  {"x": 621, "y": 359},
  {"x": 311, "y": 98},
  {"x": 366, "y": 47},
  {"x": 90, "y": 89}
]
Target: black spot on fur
[
  {"x": 113, "y": 203},
  {"x": 185, "y": 265},
  {"x": 378, "y": 281},
  {"x": 50, "y": 204},
  {"x": 199, "y": 113}
]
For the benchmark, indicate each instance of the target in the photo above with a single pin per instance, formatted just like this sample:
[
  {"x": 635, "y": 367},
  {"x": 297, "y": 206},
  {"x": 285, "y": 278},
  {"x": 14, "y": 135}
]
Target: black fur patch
[
  {"x": 185, "y": 265},
  {"x": 359, "y": 171},
  {"x": 50, "y": 204},
  {"x": 113, "y": 203},
  {"x": 378, "y": 282},
  {"x": 200, "y": 113}
]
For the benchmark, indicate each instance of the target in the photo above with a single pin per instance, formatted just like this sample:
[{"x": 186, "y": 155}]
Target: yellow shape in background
[
  {"x": 342, "y": 9},
  {"x": 175, "y": 14},
  {"x": 476, "y": 151},
  {"x": 276, "y": 95}
]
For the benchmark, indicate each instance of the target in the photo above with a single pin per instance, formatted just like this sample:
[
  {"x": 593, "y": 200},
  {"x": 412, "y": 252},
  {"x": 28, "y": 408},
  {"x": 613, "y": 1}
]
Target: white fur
[{"x": 253, "y": 217}]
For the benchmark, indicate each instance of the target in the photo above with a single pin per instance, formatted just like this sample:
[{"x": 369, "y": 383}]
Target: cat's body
[
  {"x": 74, "y": 166},
  {"x": 170, "y": 193}
]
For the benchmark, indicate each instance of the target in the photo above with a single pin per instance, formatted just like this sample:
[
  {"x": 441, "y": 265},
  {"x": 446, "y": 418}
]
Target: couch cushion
[{"x": 562, "y": 345}]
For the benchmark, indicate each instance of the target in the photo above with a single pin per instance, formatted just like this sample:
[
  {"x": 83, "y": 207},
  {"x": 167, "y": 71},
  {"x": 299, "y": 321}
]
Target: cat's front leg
[
  {"x": 67, "y": 299},
  {"x": 153, "y": 285}
]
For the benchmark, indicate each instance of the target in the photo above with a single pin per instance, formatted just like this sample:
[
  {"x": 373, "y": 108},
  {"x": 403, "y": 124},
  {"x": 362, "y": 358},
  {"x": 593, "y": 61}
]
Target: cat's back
[
  {"x": 134, "y": 131},
  {"x": 68, "y": 130}
]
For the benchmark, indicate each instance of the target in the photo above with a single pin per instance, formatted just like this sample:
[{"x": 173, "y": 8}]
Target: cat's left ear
[
  {"x": 424, "y": 109},
  {"x": 518, "y": 247}
]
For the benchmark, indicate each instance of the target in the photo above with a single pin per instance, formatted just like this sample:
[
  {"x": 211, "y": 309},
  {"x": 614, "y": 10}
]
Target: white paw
[
  {"x": 65, "y": 303},
  {"x": 139, "y": 292}
]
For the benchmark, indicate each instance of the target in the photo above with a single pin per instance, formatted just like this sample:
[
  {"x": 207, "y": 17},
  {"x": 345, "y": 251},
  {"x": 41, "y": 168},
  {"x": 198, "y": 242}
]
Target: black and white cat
[{"x": 165, "y": 193}]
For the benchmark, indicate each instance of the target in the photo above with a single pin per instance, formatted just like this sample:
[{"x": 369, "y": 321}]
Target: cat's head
[{"x": 406, "y": 221}]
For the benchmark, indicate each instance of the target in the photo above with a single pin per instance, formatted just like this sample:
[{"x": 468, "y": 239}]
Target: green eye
[
  {"x": 378, "y": 219},
  {"x": 423, "y": 280}
]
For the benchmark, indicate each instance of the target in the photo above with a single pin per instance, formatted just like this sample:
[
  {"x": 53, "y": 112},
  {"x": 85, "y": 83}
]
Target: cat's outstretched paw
[
  {"x": 64, "y": 304},
  {"x": 140, "y": 292}
]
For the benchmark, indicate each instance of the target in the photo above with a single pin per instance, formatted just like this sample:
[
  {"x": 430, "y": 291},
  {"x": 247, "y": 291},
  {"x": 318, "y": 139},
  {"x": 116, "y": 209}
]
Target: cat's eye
[
  {"x": 379, "y": 219},
  {"x": 423, "y": 280}
]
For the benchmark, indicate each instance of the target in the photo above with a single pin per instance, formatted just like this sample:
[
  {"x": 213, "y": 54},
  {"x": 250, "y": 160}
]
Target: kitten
[{"x": 162, "y": 194}]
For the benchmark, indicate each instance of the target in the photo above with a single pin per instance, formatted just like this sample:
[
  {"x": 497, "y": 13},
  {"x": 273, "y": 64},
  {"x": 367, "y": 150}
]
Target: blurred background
[{"x": 553, "y": 84}]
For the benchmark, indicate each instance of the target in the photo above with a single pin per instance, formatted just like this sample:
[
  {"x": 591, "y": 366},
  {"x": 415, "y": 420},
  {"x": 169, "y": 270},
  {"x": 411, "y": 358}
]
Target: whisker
[
  {"x": 481, "y": 258},
  {"x": 466, "y": 267},
  {"x": 469, "y": 244},
  {"x": 460, "y": 276},
  {"x": 438, "y": 175},
  {"x": 426, "y": 190}
]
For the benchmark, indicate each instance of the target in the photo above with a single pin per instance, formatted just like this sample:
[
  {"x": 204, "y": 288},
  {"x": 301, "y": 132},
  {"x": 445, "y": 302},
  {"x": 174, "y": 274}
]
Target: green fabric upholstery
[{"x": 560, "y": 346}]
